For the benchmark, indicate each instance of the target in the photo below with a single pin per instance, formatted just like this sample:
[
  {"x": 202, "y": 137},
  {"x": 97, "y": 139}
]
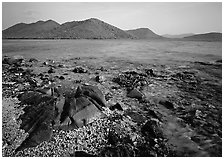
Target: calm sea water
[{"x": 135, "y": 50}]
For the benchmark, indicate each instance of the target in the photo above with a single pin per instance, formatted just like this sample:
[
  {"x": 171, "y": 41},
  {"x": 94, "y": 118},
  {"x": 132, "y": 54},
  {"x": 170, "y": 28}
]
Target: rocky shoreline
[{"x": 127, "y": 108}]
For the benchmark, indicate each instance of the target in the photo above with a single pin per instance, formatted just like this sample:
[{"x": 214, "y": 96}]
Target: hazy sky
[{"x": 162, "y": 18}]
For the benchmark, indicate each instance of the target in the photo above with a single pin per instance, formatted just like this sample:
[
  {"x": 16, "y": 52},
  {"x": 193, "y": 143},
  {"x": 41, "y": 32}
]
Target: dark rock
[
  {"x": 151, "y": 130},
  {"x": 66, "y": 107},
  {"x": 36, "y": 121},
  {"x": 46, "y": 90},
  {"x": 112, "y": 138},
  {"x": 33, "y": 97},
  {"x": 135, "y": 94},
  {"x": 15, "y": 60},
  {"x": 108, "y": 96},
  {"x": 79, "y": 70},
  {"x": 81, "y": 154},
  {"x": 51, "y": 70},
  {"x": 116, "y": 106},
  {"x": 102, "y": 69},
  {"x": 33, "y": 60},
  {"x": 45, "y": 63},
  {"x": 219, "y": 61},
  {"x": 150, "y": 72},
  {"x": 92, "y": 92},
  {"x": 114, "y": 87},
  {"x": 61, "y": 77},
  {"x": 100, "y": 79},
  {"x": 136, "y": 116},
  {"x": 124, "y": 150},
  {"x": 82, "y": 110},
  {"x": 61, "y": 65},
  {"x": 167, "y": 104}
]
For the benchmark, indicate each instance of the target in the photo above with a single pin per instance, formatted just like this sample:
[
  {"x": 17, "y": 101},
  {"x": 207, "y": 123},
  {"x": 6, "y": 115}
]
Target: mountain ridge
[
  {"x": 144, "y": 33},
  {"x": 92, "y": 28}
]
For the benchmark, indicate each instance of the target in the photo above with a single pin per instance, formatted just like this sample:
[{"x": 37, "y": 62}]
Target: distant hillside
[
  {"x": 144, "y": 33},
  {"x": 39, "y": 29},
  {"x": 205, "y": 37},
  {"x": 87, "y": 29},
  {"x": 178, "y": 35}
]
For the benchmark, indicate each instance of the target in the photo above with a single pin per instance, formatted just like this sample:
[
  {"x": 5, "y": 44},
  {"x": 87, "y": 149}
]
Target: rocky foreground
[{"x": 76, "y": 107}]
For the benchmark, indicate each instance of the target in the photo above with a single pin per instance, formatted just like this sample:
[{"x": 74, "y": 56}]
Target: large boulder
[{"x": 70, "y": 106}]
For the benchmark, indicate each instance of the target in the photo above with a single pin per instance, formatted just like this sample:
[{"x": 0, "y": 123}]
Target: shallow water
[{"x": 157, "y": 52}]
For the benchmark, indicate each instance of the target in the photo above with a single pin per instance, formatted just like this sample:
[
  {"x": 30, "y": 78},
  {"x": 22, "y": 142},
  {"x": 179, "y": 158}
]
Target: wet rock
[
  {"x": 100, "y": 79},
  {"x": 116, "y": 106},
  {"x": 112, "y": 138},
  {"x": 46, "y": 90},
  {"x": 81, "y": 154},
  {"x": 51, "y": 70},
  {"x": 33, "y": 60},
  {"x": 108, "y": 96},
  {"x": 150, "y": 72},
  {"x": 45, "y": 63},
  {"x": 65, "y": 73},
  {"x": 136, "y": 117},
  {"x": 61, "y": 77},
  {"x": 219, "y": 61},
  {"x": 82, "y": 111},
  {"x": 135, "y": 94},
  {"x": 36, "y": 121},
  {"x": 61, "y": 65},
  {"x": 151, "y": 130},
  {"x": 117, "y": 151},
  {"x": 33, "y": 97},
  {"x": 79, "y": 69},
  {"x": 15, "y": 60},
  {"x": 102, "y": 69},
  {"x": 92, "y": 92},
  {"x": 167, "y": 104}
]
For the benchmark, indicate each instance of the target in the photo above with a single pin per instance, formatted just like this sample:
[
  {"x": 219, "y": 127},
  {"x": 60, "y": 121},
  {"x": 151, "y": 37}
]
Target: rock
[
  {"x": 167, "y": 104},
  {"x": 61, "y": 65},
  {"x": 219, "y": 61},
  {"x": 151, "y": 130},
  {"x": 116, "y": 106},
  {"x": 46, "y": 90},
  {"x": 102, "y": 69},
  {"x": 51, "y": 70},
  {"x": 100, "y": 79},
  {"x": 150, "y": 72},
  {"x": 45, "y": 63},
  {"x": 16, "y": 60},
  {"x": 79, "y": 70},
  {"x": 33, "y": 97},
  {"x": 61, "y": 77},
  {"x": 117, "y": 151},
  {"x": 92, "y": 92},
  {"x": 33, "y": 60},
  {"x": 36, "y": 121},
  {"x": 81, "y": 154},
  {"x": 112, "y": 138},
  {"x": 84, "y": 112},
  {"x": 135, "y": 94}
]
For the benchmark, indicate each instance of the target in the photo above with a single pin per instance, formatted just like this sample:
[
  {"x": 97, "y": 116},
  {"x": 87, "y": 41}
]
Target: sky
[{"x": 161, "y": 17}]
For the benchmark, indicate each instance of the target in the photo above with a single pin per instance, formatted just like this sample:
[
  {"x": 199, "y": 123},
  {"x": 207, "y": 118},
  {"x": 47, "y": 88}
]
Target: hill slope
[
  {"x": 144, "y": 33},
  {"x": 34, "y": 30},
  {"x": 87, "y": 29},
  {"x": 213, "y": 36},
  {"x": 178, "y": 35}
]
